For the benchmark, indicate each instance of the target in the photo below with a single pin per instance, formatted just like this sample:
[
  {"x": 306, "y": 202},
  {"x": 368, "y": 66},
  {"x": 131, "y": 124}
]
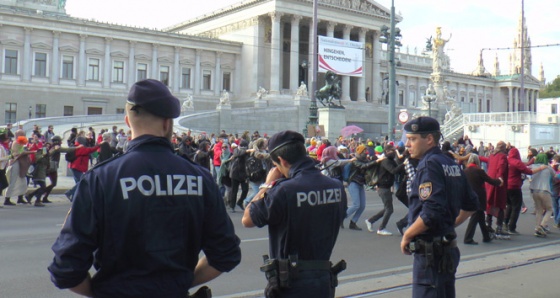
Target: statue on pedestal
[
  {"x": 331, "y": 91},
  {"x": 302, "y": 89},
  {"x": 261, "y": 92},
  {"x": 224, "y": 99},
  {"x": 187, "y": 104},
  {"x": 440, "y": 60}
]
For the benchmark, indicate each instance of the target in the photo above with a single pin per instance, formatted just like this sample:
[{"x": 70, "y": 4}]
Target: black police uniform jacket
[
  {"x": 439, "y": 191},
  {"x": 142, "y": 219},
  {"x": 303, "y": 213}
]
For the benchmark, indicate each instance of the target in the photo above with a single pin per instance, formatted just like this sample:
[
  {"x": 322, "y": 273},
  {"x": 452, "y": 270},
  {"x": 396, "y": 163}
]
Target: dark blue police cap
[
  {"x": 155, "y": 98},
  {"x": 284, "y": 138},
  {"x": 422, "y": 125}
]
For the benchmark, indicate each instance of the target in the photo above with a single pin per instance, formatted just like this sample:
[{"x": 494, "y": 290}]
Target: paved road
[{"x": 375, "y": 265}]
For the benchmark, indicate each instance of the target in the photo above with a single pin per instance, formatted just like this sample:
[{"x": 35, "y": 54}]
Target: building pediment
[
  {"x": 227, "y": 66},
  {"x": 68, "y": 49},
  {"x": 12, "y": 42},
  {"x": 94, "y": 52},
  {"x": 186, "y": 62},
  {"x": 165, "y": 60},
  {"x": 207, "y": 64},
  {"x": 142, "y": 57},
  {"x": 362, "y": 6},
  {"x": 41, "y": 45},
  {"x": 119, "y": 54}
]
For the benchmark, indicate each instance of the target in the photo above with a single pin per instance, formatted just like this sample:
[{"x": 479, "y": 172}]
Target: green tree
[{"x": 551, "y": 89}]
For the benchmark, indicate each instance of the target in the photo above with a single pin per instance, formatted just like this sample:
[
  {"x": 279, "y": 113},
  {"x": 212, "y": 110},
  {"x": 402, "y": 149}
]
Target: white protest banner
[{"x": 344, "y": 57}]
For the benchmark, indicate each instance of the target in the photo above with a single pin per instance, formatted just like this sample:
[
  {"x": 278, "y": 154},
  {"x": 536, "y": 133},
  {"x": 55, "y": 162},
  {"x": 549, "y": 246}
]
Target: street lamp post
[
  {"x": 391, "y": 36},
  {"x": 429, "y": 98},
  {"x": 313, "y": 106}
]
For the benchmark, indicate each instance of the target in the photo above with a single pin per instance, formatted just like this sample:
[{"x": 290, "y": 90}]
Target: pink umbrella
[{"x": 350, "y": 130}]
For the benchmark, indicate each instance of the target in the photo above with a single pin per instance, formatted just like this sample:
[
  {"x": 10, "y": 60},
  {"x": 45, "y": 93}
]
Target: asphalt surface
[{"x": 521, "y": 267}]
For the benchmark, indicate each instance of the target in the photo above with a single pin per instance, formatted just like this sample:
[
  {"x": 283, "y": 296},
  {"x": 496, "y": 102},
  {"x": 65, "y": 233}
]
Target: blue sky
[{"x": 474, "y": 24}]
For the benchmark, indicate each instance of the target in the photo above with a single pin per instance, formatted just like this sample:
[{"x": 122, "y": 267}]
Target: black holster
[{"x": 203, "y": 292}]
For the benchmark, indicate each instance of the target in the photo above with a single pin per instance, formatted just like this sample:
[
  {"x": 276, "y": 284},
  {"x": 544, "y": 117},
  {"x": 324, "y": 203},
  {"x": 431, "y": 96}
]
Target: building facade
[{"x": 57, "y": 65}]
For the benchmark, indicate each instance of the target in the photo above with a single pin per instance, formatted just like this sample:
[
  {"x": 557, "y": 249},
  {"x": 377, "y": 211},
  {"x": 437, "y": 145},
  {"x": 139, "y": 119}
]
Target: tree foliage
[{"x": 551, "y": 89}]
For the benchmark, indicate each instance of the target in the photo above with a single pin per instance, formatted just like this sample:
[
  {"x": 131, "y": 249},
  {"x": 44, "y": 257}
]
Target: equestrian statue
[{"x": 331, "y": 91}]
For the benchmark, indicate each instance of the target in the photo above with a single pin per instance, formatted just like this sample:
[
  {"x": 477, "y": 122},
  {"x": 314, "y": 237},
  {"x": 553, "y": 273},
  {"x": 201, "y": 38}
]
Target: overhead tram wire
[{"x": 524, "y": 47}]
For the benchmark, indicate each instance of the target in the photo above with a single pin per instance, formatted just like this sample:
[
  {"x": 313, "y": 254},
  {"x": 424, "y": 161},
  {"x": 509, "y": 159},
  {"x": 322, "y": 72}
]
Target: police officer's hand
[
  {"x": 404, "y": 245},
  {"x": 273, "y": 175}
]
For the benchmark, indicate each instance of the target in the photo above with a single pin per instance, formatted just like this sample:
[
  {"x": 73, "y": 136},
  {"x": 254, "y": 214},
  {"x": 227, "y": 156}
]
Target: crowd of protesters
[{"x": 239, "y": 163}]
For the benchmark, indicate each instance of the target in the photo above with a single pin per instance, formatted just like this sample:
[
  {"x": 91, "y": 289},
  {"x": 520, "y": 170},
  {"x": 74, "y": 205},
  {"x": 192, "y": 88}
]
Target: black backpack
[
  {"x": 255, "y": 169},
  {"x": 70, "y": 155}
]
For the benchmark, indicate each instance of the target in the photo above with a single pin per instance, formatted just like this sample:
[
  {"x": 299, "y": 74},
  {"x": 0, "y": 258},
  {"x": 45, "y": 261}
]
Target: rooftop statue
[{"x": 439, "y": 58}]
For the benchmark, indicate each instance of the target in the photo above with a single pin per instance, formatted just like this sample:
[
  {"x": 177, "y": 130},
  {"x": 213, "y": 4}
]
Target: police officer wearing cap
[
  {"x": 303, "y": 210},
  {"x": 143, "y": 218},
  {"x": 440, "y": 200}
]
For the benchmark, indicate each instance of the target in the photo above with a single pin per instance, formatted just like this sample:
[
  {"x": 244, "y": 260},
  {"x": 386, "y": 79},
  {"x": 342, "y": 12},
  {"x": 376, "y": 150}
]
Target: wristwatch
[{"x": 264, "y": 185}]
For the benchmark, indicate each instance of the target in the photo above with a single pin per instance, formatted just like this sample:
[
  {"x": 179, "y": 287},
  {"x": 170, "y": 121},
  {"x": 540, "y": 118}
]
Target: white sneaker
[
  {"x": 369, "y": 226},
  {"x": 384, "y": 233}
]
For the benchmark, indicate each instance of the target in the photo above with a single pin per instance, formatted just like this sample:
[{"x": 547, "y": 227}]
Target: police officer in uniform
[
  {"x": 440, "y": 200},
  {"x": 303, "y": 210},
  {"x": 143, "y": 218}
]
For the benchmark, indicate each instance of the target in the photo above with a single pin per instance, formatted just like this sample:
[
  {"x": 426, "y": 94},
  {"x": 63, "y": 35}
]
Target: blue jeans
[
  {"x": 77, "y": 176},
  {"x": 254, "y": 190},
  {"x": 556, "y": 209},
  {"x": 358, "y": 196}
]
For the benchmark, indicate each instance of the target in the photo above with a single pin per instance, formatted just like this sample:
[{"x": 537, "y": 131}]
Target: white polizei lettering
[
  {"x": 192, "y": 184},
  {"x": 169, "y": 179},
  {"x": 453, "y": 171},
  {"x": 314, "y": 198},
  {"x": 159, "y": 191},
  {"x": 174, "y": 185},
  {"x": 199, "y": 179},
  {"x": 150, "y": 181},
  {"x": 127, "y": 184},
  {"x": 179, "y": 187},
  {"x": 301, "y": 197}
]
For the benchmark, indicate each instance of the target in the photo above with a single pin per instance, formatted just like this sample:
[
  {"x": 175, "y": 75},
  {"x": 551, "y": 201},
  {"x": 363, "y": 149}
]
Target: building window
[
  {"x": 93, "y": 69},
  {"x": 487, "y": 105},
  {"x": 141, "y": 71},
  {"x": 554, "y": 109},
  {"x": 120, "y": 111},
  {"x": 462, "y": 99},
  {"x": 412, "y": 97},
  {"x": 480, "y": 105},
  {"x": 118, "y": 72},
  {"x": 10, "y": 62},
  {"x": 226, "y": 82},
  {"x": 10, "y": 112},
  {"x": 40, "y": 64},
  {"x": 206, "y": 79},
  {"x": 186, "y": 78},
  {"x": 40, "y": 110},
  {"x": 68, "y": 111},
  {"x": 164, "y": 75},
  {"x": 401, "y": 98},
  {"x": 68, "y": 67}
]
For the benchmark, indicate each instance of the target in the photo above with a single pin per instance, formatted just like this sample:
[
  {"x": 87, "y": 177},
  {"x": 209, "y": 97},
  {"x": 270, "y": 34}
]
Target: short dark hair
[
  {"x": 291, "y": 152},
  {"x": 435, "y": 134}
]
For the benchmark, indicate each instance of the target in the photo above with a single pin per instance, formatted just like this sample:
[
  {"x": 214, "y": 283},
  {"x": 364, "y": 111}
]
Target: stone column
[
  {"x": 515, "y": 99},
  {"x": 197, "y": 72},
  {"x": 237, "y": 75},
  {"x": 81, "y": 73},
  {"x": 330, "y": 29},
  {"x": 275, "y": 49},
  {"x": 376, "y": 70},
  {"x": 535, "y": 100},
  {"x": 346, "y": 79},
  {"x": 155, "y": 69},
  {"x": 176, "y": 71},
  {"x": 131, "y": 63},
  {"x": 217, "y": 85},
  {"x": 406, "y": 100},
  {"x": 55, "y": 65},
  {"x": 107, "y": 64},
  {"x": 510, "y": 97},
  {"x": 311, "y": 59},
  {"x": 27, "y": 55},
  {"x": 362, "y": 79},
  {"x": 294, "y": 54}
]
